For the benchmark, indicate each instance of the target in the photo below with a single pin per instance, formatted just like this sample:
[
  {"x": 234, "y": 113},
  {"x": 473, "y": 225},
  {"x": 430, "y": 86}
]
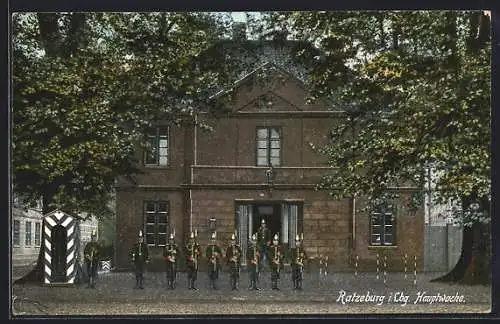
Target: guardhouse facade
[{"x": 256, "y": 164}]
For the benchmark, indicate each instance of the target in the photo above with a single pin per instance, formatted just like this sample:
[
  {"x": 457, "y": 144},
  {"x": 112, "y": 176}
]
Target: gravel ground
[{"x": 114, "y": 294}]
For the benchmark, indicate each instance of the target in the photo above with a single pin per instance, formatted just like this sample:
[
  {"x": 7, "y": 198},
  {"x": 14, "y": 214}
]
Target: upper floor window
[
  {"x": 16, "y": 232},
  {"x": 156, "y": 219},
  {"x": 38, "y": 233},
  {"x": 28, "y": 234},
  {"x": 157, "y": 146},
  {"x": 382, "y": 225},
  {"x": 268, "y": 146}
]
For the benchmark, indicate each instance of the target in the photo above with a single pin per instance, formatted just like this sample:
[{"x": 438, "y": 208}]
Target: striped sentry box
[{"x": 51, "y": 220}]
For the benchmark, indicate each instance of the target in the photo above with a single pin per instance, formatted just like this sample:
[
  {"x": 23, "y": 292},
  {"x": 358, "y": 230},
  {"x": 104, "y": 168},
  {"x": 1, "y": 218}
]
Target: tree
[
  {"x": 86, "y": 85},
  {"x": 416, "y": 89}
]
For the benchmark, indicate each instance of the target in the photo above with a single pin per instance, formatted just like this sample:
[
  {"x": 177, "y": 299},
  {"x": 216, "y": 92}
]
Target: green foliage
[
  {"x": 416, "y": 95},
  {"x": 86, "y": 85}
]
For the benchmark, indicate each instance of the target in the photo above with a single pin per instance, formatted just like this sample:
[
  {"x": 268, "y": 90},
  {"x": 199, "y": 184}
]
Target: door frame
[{"x": 242, "y": 202}]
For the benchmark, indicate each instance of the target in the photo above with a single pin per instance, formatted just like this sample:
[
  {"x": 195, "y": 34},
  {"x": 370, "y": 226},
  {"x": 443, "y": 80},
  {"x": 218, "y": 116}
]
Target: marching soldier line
[{"x": 260, "y": 250}]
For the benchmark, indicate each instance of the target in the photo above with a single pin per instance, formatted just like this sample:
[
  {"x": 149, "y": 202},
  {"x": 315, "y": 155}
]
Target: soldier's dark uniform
[
  {"x": 253, "y": 257},
  {"x": 171, "y": 254},
  {"x": 233, "y": 257},
  {"x": 275, "y": 261},
  {"x": 91, "y": 254},
  {"x": 263, "y": 242},
  {"x": 213, "y": 254},
  {"x": 139, "y": 258},
  {"x": 298, "y": 257},
  {"x": 193, "y": 253}
]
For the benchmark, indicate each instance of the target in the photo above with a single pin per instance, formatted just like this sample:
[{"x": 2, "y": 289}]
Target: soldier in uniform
[
  {"x": 253, "y": 257},
  {"x": 263, "y": 242},
  {"x": 171, "y": 253},
  {"x": 276, "y": 261},
  {"x": 213, "y": 254},
  {"x": 298, "y": 256},
  {"x": 140, "y": 258},
  {"x": 193, "y": 252},
  {"x": 233, "y": 257},
  {"x": 91, "y": 254}
]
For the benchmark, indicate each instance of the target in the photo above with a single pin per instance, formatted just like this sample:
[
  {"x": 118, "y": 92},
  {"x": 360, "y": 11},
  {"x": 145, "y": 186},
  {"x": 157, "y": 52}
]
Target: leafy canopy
[
  {"x": 416, "y": 90},
  {"x": 87, "y": 85}
]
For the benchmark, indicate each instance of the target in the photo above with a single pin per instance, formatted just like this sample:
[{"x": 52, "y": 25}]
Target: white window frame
[{"x": 160, "y": 136}]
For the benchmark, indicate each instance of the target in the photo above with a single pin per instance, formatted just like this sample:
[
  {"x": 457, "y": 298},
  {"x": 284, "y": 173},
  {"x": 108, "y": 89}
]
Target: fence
[{"x": 442, "y": 247}]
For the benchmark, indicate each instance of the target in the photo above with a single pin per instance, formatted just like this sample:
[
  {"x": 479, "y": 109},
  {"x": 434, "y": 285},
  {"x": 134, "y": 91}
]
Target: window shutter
[{"x": 244, "y": 225}]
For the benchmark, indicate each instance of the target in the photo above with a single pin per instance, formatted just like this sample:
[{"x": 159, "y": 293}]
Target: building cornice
[
  {"x": 231, "y": 186},
  {"x": 280, "y": 114}
]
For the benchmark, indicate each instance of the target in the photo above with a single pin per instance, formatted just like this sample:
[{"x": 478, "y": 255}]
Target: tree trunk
[
  {"x": 50, "y": 35},
  {"x": 474, "y": 264}
]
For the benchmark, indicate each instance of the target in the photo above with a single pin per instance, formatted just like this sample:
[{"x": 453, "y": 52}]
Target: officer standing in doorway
[{"x": 263, "y": 242}]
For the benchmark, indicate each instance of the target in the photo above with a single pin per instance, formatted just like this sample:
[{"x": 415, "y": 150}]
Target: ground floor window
[
  {"x": 382, "y": 224},
  {"x": 38, "y": 233},
  {"x": 16, "y": 232},
  {"x": 156, "y": 222},
  {"x": 28, "y": 234}
]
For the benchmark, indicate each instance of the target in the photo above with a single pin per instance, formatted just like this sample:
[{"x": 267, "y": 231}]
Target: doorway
[
  {"x": 282, "y": 217},
  {"x": 270, "y": 213},
  {"x": 59, "y": 242}
]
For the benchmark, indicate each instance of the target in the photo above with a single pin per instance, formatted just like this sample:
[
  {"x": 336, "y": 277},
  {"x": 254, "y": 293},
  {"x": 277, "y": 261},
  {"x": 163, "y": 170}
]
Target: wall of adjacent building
[{"x": 24, "y": 254}]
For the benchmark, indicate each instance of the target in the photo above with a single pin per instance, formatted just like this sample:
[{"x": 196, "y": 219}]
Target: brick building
[{"x": 192, "y": 176}]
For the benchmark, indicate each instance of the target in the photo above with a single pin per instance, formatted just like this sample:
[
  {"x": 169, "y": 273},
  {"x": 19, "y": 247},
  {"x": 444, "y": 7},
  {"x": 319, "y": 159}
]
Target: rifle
[
  {"x": 276, "y": 259},
  {"x": 213, "y": 259},
  {"x": 299, "y": 261},
  {"x": 139, "y": 254},
  {"x": 171, "y": 253},
  {"x": 255, "y": 260},
  {"x": 236, "y": 255},
  {"x": 193, "y": 254},
  {"x": 91, "y": 274},
  {"x": 235, "y": 258}
]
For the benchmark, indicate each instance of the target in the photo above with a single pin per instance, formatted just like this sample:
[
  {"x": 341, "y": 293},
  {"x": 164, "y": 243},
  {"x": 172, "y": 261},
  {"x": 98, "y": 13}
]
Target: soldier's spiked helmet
[
  {"x": 140, "y": 233},
  {"x": 214, "y": 235},
  {"x": 297, "y": 238},
  {"x": 171, "y": 237},
  {"x": 276, "y": 238},
  {"x": 191, "y": 235},
  {"x": 263, "y": 221},
  {"x": 254, "y": 237},
  {"x": 233, "y": 237}
]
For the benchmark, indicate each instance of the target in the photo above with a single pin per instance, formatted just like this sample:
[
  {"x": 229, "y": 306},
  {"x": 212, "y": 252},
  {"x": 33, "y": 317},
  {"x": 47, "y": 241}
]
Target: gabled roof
[
  {"x": 277, "y": 69},
  {"x": 246, "y": 78},
  {"x": 58, "y": 213}
]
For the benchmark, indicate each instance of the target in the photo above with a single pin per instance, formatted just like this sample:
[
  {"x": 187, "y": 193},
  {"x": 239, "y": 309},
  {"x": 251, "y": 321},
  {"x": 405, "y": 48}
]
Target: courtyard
[{"x": 336, "y": 293}]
